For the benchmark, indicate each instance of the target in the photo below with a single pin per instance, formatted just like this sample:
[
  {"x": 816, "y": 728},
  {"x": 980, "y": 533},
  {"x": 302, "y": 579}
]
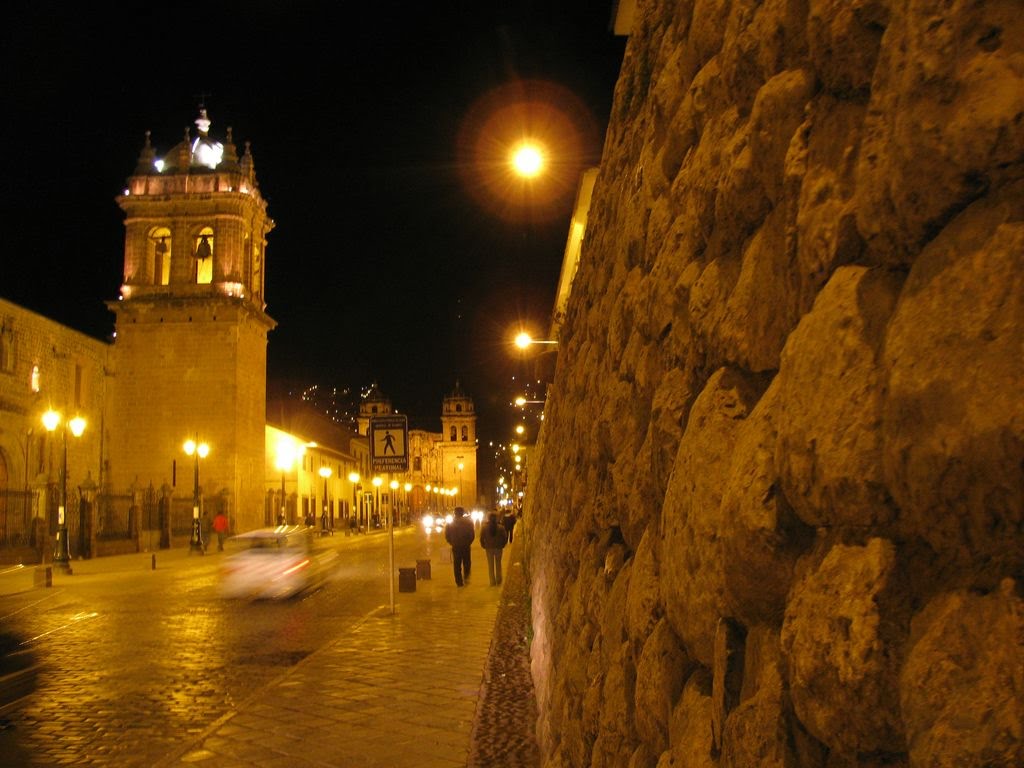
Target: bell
[
  {"x": 161, "y": 247},
  {"x": 203, "y": 250}
]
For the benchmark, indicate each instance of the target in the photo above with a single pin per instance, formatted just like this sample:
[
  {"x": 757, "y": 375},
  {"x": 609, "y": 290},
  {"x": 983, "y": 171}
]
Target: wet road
[{"x": 133, "y": 660}]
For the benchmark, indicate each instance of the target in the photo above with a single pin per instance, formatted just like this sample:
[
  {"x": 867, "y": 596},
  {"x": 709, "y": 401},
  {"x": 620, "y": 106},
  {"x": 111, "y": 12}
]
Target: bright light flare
[
  {"x": 528, "y": 160},
  {"x": 522, "y": 147}
]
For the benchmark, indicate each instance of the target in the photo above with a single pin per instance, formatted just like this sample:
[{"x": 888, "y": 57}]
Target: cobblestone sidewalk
[{"x": 504, "y": 733}]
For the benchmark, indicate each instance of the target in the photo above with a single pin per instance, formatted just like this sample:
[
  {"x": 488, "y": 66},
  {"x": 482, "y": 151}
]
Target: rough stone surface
[
  {"x": 660, "y": 673},
  {"x": 842, "y": 639},
  {"x": 963, "y": 683},
  {"x": 788, "y": 395}
]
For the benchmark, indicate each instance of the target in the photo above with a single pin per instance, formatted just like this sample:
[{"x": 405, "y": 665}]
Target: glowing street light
[
  {"x": 527, "y": 160},
  {"x": 287, "y": 452},
  {"x": 521, "y": 401},
  {"x": 523, "y": 340},
  {"x": 62, "y": 549},
  {"x": 353, "y": 477},
  {"x": 199, "y": 451}
]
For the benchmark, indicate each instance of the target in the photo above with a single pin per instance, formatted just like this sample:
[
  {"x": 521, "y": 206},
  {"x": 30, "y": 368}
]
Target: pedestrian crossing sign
[{"x": 389, "y": 441}]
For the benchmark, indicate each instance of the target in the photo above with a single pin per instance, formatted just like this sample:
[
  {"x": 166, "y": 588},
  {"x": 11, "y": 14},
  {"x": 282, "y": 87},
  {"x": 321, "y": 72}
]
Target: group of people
[{"x": 495, "y": 533}]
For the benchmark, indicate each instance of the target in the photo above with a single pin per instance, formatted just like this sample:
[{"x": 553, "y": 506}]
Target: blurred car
[
  {"x": 435, "y": 524},
  {"x": 19, "y": 670},
  {"x": 276, "y": 563}
]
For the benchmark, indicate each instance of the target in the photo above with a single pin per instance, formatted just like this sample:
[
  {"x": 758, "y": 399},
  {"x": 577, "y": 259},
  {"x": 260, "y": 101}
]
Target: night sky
[{"x": 403, "y": 253}]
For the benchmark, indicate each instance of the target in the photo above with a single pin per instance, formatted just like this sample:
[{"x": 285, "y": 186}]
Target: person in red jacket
[{"x": 220, "y": 527}]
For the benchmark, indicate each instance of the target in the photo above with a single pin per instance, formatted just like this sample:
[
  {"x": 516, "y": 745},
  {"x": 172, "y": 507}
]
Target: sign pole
[{"x": 389, "y": 452}]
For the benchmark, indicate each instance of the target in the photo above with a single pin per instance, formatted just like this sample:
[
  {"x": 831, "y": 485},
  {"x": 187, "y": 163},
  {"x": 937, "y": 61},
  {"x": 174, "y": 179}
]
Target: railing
[{"x": 17, "y": 508}]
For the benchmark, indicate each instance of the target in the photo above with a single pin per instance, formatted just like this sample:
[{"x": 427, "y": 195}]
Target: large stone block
[
  {"x": 954, "y": 412},
  {"x": 943, "y": 126},
  {"x": 962, "y": 687},
  {"x": 828, "y": 451},
  {"x": 661, "y": 670},
  {"x": 692, "y": 583},
  {"x": 643, "y": 601},
  {"x": 842, "y": 638},
  {"x": 756, "y": 731},
  {"x": 761, "y": 537},
  {"x": 690, "y": 742}
]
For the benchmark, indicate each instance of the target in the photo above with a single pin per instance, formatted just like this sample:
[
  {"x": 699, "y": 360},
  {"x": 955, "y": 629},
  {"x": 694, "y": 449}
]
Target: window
[
  {"x": 458, "y": 407},
  {"x": 79, "y": 385},
  {"x": 454, "y": 434},
  {"x": 465, "y": 434},
  {"x": 159, "y": 266},
  {"x": 7, "y": 346},
  {"x": 204, "y": 256},
  {"x": 34, "y": 383}
]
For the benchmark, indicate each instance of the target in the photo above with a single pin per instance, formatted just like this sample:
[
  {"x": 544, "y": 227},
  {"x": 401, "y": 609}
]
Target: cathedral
[{"x": 187, "y": 368}]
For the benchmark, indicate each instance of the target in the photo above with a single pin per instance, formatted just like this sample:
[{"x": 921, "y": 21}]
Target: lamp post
[
  {"x": 198, "y": 451},
  {"x": 378, "y": 481},
  {"x": 392, "y": 514},
  {"x": 353, "y": 477},
  {"x": 408, "y": 512},
  {"x": 325, "y": 473},
  {"x": 287, "y": 452},
  {"x": 61, "y": 548}
]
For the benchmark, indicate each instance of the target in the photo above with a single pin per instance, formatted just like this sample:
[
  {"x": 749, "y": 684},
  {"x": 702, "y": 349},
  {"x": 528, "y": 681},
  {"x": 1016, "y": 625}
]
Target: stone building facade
[
  {"x": 191, "y": 331},
  {"x": 776, "y": 515},
  {"x": 45, "y": 365},
  {"x": 437, "y": 460}
]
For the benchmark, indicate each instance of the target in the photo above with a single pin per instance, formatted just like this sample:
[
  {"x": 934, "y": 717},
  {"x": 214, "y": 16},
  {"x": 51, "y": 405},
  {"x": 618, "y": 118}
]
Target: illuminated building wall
[{"x": 191, "y": 332}]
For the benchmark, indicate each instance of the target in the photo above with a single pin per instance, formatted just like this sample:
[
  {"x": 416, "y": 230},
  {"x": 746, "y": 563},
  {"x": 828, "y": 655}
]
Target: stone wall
[{"x": 775, "y": 515}]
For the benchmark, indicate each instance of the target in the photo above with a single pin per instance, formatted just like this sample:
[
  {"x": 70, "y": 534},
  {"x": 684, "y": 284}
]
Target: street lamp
[
  {"x": 527, "y": 160},
  {"x": 521, "y": 401},
  {"x": 199, "y": 451},
  {"x": 287, "y": 452},
  {"x": 353, "y": 477},
  {"x": 393, "y": 485},
  {"x": 523, "y": 340},
  {"x": 325, "y": 472},
  {"x": 61, "y": 548},
  {"x": 377, "y": 483}
]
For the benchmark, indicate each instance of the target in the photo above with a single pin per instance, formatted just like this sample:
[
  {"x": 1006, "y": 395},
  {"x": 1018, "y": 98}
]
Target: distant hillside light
[{"x": 527, "y": 160}]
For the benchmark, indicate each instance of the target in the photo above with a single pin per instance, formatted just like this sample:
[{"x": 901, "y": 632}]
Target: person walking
[
  {"x": 220, "y": 527},
  {"x": 493, "y": 538},
  {"x": 509, "y": 521},
  {"x": 460, "y": 534}
]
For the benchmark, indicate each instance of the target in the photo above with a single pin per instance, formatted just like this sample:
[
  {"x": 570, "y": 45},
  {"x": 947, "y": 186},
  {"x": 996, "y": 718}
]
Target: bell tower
[
  {"x": 190, "y": 345},
  {"x": 458, "y": 443}
]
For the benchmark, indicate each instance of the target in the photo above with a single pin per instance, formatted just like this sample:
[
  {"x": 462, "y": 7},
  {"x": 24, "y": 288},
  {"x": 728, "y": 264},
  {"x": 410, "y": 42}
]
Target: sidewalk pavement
[
  {"x": 443, "y": 682},
  {"x": 398, "y": 690}
]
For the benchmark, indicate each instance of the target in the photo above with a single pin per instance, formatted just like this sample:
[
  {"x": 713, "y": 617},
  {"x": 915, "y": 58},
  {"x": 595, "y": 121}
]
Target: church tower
[
  {"x": 373, "y": 403},
  {"x": 458, "y": 443},
  {"x": 190, "y": 346}
]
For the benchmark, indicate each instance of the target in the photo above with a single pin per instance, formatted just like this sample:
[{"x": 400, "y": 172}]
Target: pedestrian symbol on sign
[{"x": 388, "y": 443}]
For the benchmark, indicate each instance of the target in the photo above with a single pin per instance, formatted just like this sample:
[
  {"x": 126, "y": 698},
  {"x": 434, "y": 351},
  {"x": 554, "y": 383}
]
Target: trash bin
[
  {"x": 406, "y": 579},
  {"x": 422, "y": 569}
]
